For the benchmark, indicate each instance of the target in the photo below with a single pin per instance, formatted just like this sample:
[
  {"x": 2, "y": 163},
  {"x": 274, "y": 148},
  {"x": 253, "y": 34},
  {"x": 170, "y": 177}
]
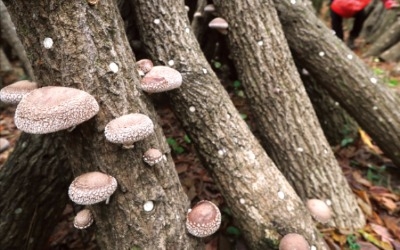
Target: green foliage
[
  {"x": 375, "y": 174},
  {"x": 217, "y": 64},
  {"x": 352, "y": 243},
  {"x": 393, "y": 82},
  {"x": 186, "y": 138},
  {"x": 346, "y": 141},
  {"x": 233, "y": 231},
  {"x": 244, "y": 116},
  {"x": 175, "y": 146}
]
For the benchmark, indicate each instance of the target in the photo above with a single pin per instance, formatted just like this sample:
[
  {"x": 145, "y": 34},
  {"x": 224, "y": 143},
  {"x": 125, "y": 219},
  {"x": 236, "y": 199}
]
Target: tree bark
[
  {"x": 33, "y": 184},
  {"x": 337, "y": 124},
  {"x": 243, "y": 171},
  {"x": 392, "y": 54},
  {"x": 86, "y": 40},
  {"x": 348, "y": 80},
  {"x": 290, "y": 132},
  {"x": 390, "y": 37},
  {"x": 9, "y": 35}
]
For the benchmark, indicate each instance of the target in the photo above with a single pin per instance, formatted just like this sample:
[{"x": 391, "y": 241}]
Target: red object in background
[
  {"x": 390, "y": 4},
  {"x": 348, "y": 8}
]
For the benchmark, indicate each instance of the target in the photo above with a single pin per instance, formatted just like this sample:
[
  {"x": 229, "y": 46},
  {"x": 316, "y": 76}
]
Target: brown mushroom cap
[
  {"x": 319, "y": 210},
  {"x": 293, "y": 242},
  {"x": 51, "y": 109},
  {"x": 14, "y": 92},
  {"x": 128, "y": 129},
  {"x": 83, "y": 219},
  {"x": 152, "y": 156},
  {"x": 144, "y": 66},
  {"x": 161, "y": 78},
  {"x": 91, "y": 188},
  {"x": 203, "y": 219}
]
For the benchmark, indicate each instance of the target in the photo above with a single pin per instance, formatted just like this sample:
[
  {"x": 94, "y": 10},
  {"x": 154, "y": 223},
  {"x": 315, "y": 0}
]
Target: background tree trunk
[
  {"x": 392, "y": 54},
  {"x": 86, "y": 40},
  {"x": 348, "y": 80},
  {"x": 33, "y": 184},
  {"x": 289, "y": 128},
  {"x": 248, "y": 179}
]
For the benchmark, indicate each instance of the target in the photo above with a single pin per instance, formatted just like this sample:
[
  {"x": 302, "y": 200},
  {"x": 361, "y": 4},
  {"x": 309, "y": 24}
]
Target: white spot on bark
[
  {"x": 164, "y": 157},
  {"x": 251, "y": 155},
  {"x": 148, "y": 206},
  {"x": 242, "y": 201},
  {"x": 221, "y": 152},
  {"x": 113, "y": 67},
  {"x": 187, "y": 30},
  {"x": 48, "y": 43},
  {"x": 328, "y": 202},
  {"x": 157, "y": 21},
  {"x": 375, "y": 108},
  {"x": 300, "y": 149},
  {"x": 313, "y": 248},
  {"x": 171, "y": 62},
  {"x": 260, "y": 43},
  {"x": 293, "y": 1},
  {"x": 281, "y": 195},
  {"x": 336, "y": 104},
  {"x": 204, "y": 71},
  {"x": 321, "y": 53},
  {"x": 349, "y": 56},
  {"x": 192, "y": 109},
  {"x": 304, "y": 72},
  {"x": 373, "y": 80}
]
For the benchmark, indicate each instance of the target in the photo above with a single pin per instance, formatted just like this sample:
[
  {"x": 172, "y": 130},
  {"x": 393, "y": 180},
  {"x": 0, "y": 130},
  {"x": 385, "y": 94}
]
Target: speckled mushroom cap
[
  {"x": 319, "y": 210},
  {"x": 51, "y": 109},
  {"x": 83, "y": 219},
  {"x": 218, "y": 23},
  {"x": 153, "y": 81},
  {"x": 14, "y": 92},
  {"x": 91, "y": 188},
  {"x": 144, "y": 66},
  {"x": 129, "y": 128},
  {"x": 152, "y": 156},
  {"x": 203, "y": 219},
  {"x": 293, "y": 242}
]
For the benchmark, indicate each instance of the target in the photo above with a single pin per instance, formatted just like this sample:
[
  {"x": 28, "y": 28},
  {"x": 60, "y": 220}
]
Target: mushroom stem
[
  {"x": 128, "y": 146},
  {"x": 71, "y": 128},
  {"x": 108, "y": 200}
]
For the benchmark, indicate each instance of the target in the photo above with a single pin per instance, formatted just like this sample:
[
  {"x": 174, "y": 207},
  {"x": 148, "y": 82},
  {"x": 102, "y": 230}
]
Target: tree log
[
  {"x": 248, "y": 179},
  {"x": 392, "y": 54},
  {"x": 347, "y": 79},
  {"x": 33, "y": 184},
  {"x": 87, "y": 39}
]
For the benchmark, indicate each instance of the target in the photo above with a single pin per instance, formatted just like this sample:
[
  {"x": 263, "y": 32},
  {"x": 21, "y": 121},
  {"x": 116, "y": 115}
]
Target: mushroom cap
[
  {"x": 293, "y": 241},
  {"x": 203, "y": 219},
  {"x": 218, "y": 23},
  {"x": 91, "y": 188},
  {"x": 51, "y": 109},
  {"x": 144, "y": 65},
  {"x": 209, "y": 8},
  {"x": 129, "y": 128},
  {"x": 160, "y": 79},
  {"x": 14, "y": 92},
  {"x": 152, "y": 156},
  {"x": 83, "y": 219},
  {"x": 319, "y": 210}
]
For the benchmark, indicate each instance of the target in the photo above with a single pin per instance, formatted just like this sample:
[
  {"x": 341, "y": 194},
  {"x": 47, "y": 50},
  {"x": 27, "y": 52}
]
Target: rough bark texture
[
  {"x": 289, "y": 128},
  {"x": 86, "y": 40},
  {"x": 336, "y": 123},
  {"x": 389, "y": 37},
  {"x": 392, "y": 54},
  {"x": 248, "y": 179},
  {"x": 10, "y": 36},
  {"x": 379, "y": 19},
  {"x": 348, "y": 80},
  {"x": 32, "y": 184}
]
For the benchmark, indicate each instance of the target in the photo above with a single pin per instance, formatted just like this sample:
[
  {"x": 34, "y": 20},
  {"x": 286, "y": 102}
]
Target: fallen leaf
[
  {"x": 357, "y": 177},
  {"x": 393, "y": 224},
  {"x": 374, "y": 240},
  {"x": 368, "y": 141},
  {"x": 383, "y": 232}
]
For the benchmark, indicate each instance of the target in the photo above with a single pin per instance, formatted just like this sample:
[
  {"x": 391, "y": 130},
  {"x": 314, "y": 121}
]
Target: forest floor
[{"x": 372, "y": 177}]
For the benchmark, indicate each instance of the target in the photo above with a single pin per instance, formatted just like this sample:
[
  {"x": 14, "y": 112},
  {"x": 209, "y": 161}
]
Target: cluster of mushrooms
[{"x": 54, "y": 108}]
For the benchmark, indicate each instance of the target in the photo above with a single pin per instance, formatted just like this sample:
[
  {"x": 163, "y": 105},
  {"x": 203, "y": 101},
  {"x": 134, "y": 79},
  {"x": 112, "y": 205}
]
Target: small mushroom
[
  {"x": 219, "y": 24},
  {"x": 160, "y": 79},
  {"x": 203, "y": 219},
  {"x": 50, "y": 109},
  {"x": 83, "y": 219},
  {"x": 209, "y": 8},
  {"x": 144, "y": 66},
  {"x": 128, "y": 129},
  {"x": 152, "y": 156},
  {"x": 13, "y": 93},
  {"x": 91, "y": 188},
  {"x": 293, "y": 241},
  {"x": 319, "y": 210}
]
